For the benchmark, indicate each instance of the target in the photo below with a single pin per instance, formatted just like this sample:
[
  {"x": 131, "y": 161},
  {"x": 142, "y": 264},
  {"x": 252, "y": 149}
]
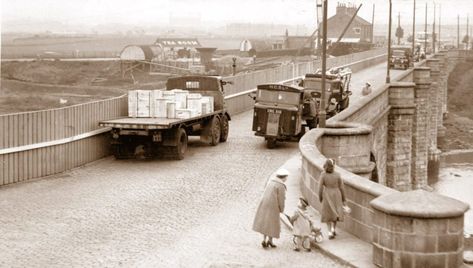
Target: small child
[{"x": 302, "y": 225}]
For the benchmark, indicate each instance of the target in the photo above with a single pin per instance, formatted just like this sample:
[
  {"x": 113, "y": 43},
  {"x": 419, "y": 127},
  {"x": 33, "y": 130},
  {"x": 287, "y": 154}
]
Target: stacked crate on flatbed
[{"x": 176, "y": 103}]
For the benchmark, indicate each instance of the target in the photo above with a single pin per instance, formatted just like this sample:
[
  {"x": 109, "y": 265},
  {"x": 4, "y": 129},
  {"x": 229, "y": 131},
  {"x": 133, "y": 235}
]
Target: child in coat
[{"x": 302, "y": 225}]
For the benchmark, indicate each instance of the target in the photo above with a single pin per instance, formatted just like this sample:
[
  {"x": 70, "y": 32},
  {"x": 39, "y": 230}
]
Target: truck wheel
[
  {"x": 180, "y": 149},
  {"x": 271, "y": 143},
  {"x": 224, "y": 129},
  {"x": 119, "y": 151},
  {"x": 215, "y": 131}
]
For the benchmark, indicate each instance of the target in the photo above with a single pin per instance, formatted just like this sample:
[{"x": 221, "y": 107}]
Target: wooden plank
[
  {"x": 16, "y": 130},
  {"x": 21, "y": 129},
  {"x": 2, "y": 168},
  {"x": 21, "y": 166},
  {"x": 3, "y": 131},
  {"x": 11, "y": 131}
]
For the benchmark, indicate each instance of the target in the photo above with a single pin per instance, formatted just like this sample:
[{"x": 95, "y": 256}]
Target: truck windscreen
[{"x": 281, "y": 97}]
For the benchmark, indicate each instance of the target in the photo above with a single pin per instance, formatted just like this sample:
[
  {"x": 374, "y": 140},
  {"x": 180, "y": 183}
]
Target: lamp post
[
  {"x": 388, "y": 78},
  {"x": 413, "y": 32},
  {"x": 425, "y": 32},
  {"x": 433, "y": 30},
  {"x": 323, "y": 114}
]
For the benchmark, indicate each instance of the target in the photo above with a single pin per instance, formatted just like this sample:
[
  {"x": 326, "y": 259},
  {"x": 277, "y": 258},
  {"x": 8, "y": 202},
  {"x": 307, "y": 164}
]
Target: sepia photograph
[{"x": 236, "y": 133}]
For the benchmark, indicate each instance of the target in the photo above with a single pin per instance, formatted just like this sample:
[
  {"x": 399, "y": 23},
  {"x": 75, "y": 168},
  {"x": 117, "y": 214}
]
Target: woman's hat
[
  {"x": 282, "y": 172},
  {"x": 304, "y": 201}
]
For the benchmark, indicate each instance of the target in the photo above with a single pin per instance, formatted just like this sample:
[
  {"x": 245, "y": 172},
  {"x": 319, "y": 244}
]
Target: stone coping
[
  {"x": 420, "y": 204},
  {"x": 338, "y": 128},
  {"x": 312, "y": 154},
  {"x": 403, "y": 84}
]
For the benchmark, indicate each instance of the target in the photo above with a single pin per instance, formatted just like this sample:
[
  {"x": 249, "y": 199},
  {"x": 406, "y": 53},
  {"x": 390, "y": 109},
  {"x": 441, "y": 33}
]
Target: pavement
[{"x": 345, "y": 248}]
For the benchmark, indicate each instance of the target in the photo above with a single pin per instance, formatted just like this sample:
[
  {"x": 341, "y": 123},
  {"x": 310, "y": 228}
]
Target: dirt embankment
[
  {"x": 459, "y": 122},
  {"x": 38, "y": 85}
]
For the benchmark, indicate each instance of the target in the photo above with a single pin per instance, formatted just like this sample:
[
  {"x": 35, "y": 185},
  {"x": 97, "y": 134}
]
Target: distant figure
[
  {"x": 271, "y": 205},
  {"x": 332, "y": 107},
  {"x": 332, "y": 197},
  {"x": 366, "y": 89}
]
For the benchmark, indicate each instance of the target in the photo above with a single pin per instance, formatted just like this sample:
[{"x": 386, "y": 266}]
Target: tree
[
  {"x": 399, "y": 34},
  {"x": 409, "y": 38}
]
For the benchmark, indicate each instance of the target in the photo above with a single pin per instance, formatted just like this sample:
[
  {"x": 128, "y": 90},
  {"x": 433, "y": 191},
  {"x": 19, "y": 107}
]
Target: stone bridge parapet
[{"x": 383, "y": 146}]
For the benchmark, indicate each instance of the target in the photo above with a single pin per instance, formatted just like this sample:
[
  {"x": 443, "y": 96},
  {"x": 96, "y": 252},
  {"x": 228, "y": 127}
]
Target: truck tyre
[
  {"x": 224, "y": 128},
  {"x": 271, "y": 143},
  {"x": 180, "y": 149},
  {"x": 215, "y": 131}
]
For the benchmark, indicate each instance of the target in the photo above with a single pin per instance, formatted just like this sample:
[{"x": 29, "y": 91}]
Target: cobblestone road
[{"x": 156, "y": 213}]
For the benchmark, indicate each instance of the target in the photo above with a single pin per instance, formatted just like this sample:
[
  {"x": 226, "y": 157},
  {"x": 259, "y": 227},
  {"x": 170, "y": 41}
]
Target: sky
[{"x": 212, "y": 12}]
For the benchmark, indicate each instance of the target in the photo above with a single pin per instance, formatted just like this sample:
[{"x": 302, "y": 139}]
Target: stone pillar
[
  {"x": 420, "y": 128},
  {"x": 443, "y": 79},
  {"x": 400, "y": 117},
  {"x": 433, "y": 165},
  {"x": 349, "y": 144},
  {"x": 417, "y": 229}
]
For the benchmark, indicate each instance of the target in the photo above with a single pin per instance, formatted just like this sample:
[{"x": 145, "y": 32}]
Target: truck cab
[
  {"x": 278, "y": 113},
  {"x": 337, "y": 97},
  {"x": 401, "y": 56}
]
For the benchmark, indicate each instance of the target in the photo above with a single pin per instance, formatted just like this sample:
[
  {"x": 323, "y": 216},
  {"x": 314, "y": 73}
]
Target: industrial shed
[{"x": 139, "y": 57}]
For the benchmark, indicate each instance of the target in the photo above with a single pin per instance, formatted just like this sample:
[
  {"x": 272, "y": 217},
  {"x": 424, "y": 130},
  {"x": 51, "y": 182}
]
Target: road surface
[{"x": 156, "y": 213}]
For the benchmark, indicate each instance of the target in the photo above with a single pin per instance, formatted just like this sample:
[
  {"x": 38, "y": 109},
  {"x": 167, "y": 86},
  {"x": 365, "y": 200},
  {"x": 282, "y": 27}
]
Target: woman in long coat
[
  {"x": 332, "y": 197},
  {"x": 271, "y": 205}
]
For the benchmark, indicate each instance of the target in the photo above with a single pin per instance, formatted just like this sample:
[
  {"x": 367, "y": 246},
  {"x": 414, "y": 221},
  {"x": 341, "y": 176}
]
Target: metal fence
[{"x": 42, "y": 143}]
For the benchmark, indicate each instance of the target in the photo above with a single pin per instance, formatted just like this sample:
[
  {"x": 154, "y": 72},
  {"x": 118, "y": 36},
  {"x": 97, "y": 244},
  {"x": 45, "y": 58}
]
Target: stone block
[
  {"x": 379, "y": 218},
  {"x": 376, "y": 231},
  {"x": 431, "y": 261},
  {"x": 407, "y": 260},
  {"x": 455, "y": 225},
  {"x": 419, "y": 243},
  {"x": 388, "y": 259},
  {"x": 356, "y": 212},
  {"x": 453, "y": 260},
  {"x": 378, "y": 253},
  {"x": 399, "y": 224},
  {"x": 430, "y": 226},
  {"x": 449, "y": 243},
  {"x": 398, "y": 241},
  {"x": 386, "y": 238}
]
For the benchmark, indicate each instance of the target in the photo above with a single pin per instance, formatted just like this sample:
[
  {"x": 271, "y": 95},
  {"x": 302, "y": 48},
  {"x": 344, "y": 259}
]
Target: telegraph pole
[
  {"x": 372, "y": 25},
  {"x": 398, "y": 25},
  {"x": 467, "y": 30},
  {"x": 440, "y": 24},
  {"x": 458, "y": 31},
  {"x": 414, "y": 30},
  {"x": 388, "y": 78},
  {"x": 323, "y": 113},
  {"x": 425, "y": 31},
  {"x": 433, "y": 31}
]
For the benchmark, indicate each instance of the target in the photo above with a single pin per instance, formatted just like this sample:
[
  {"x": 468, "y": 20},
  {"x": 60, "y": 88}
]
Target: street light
[
  {"x": 413, "y": 33},
  {"x": 323, "y": 114},
  {"x": 388, "y": 78}
]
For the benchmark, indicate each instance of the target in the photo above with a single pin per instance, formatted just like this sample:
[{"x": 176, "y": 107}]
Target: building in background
[{"x": 358, "y": 36}]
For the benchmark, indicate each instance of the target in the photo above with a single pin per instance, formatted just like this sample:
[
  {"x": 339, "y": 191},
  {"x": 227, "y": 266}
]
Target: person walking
[
  {"x": 271, "y": 205},
  {"x": 332, "y": 197}
]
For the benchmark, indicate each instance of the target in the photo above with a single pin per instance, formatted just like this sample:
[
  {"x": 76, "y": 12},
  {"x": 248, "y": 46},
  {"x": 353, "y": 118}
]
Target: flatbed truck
[{"x": 148, "y": 137}]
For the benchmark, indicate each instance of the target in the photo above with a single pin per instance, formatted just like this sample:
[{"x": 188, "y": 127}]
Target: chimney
[
  {"x": 341, "y": 9},
  {"x": 351, "y": 9}
]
